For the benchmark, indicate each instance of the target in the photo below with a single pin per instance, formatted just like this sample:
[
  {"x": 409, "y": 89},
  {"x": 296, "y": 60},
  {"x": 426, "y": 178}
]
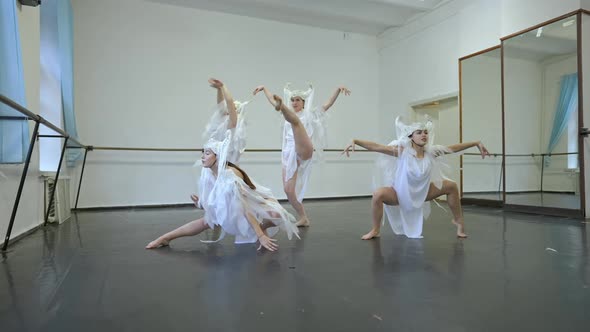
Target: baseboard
[
  {"x": 540, "y": 192},
  {"x": 130, "y": 207},
  {"x": 518, "y": 192},
  {"x": 22, "y": 235},
  {"x": 181, "y": 205},
  {"x": 481, "y": 192},
  {"x": 332, "y": 198}
]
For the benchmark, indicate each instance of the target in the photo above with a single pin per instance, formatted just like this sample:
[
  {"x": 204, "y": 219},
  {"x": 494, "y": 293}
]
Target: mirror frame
[{"x": 581, "y": 212}]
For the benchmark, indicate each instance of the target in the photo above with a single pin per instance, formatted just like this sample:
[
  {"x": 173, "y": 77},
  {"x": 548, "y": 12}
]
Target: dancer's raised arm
[
  {"x": 267, "y": 93},
  {"x": 339, "y": 90},
  {"x": 391, "y": 150},
  {"x": 223, "y": 93}
]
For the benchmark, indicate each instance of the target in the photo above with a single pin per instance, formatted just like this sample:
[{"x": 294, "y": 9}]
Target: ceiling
[{"x": 370, "y": 17}]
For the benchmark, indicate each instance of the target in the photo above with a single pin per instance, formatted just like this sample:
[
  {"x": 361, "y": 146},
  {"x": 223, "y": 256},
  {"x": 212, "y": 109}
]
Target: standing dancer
[
  {"x": 304, "y": 132},
  {"x": 412, "y": 170}
]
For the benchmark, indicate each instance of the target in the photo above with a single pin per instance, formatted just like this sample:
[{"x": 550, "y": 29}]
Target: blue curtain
[
  {"x": 566, "y": 105},
  {"x": 66, "y": 58},
  {"x": 14, "y": 134}
]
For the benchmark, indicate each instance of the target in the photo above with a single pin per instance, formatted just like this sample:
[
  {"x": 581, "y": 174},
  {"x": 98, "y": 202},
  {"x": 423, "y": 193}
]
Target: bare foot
[
  {"x": 278, "y": 102},
  {"x": 372, "y": 234},
  {"x": 195, "y": 200},
  {"x": 216, "y": 232},
  {"x": 303, "y": 222},
  {"x": 158, "y": 243},
  {"x": 460, "y": 229}
]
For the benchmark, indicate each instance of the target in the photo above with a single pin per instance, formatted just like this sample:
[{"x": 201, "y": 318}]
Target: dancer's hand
[
  {"x": 482, "y": 149},
  {"x": 215, "y": 83},
  {"x": 258, "y": 89},
  {"x": 349, "y": 148},
  {"x": 195, "y": 200},
  {"x": 268, "y": 243},
  {"x": 344, "y": 90}
]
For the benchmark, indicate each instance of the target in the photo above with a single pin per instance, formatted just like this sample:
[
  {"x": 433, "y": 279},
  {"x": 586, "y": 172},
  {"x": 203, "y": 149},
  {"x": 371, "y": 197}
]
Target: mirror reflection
[
  {"x": 541, "y": 117},
  {"x": 481, "y": 113}
]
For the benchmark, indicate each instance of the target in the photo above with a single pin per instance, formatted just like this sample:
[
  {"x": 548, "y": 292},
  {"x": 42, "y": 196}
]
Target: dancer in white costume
[
  {"x": 235, "y": 203},
  {"x": 228, "y": 114},
  {"x": 412, "y": 172},
  {"x": 304, "y": 131}
]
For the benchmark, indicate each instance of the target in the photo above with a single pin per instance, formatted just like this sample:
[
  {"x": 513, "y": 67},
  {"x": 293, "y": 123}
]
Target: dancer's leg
[
  {"x": 303, "y": 144},
  {"x": 450, "y": 189},
  {"x": 289, "y": 187},
  {"x": 384, "y": 195},
  {"x": 192, "y": 228}
]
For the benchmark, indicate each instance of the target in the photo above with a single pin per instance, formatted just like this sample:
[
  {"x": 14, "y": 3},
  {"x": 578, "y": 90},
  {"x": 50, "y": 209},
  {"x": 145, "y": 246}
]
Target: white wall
[
  {"x": 420, "y": 61},
  {"x": 416, "y": 62},
  {"x": 31, "y": 204},
  {"x": 140, "y": 75},
  {"x": 424, "y": 53}
]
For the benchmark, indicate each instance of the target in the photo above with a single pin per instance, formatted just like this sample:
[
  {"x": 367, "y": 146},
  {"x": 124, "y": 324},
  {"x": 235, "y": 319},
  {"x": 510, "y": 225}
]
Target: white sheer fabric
[
  {"x": 411, "y": 177},
  {"x": 216, "y": 129},
  {"x": 226, "y": 198},
  {"x": 219, "y": 123},
  {"x": 232, "y": 199}
]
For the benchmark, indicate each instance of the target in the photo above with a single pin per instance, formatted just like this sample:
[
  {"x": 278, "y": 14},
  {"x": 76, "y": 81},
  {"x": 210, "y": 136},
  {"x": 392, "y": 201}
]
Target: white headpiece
[
  {"x": 306, "y": 95},
  {"x": 220, "y": 148},
  {"x": 404, "y": 131},
  {"x": 298, "y": 93},
  {"x": 239, "y": 105}
]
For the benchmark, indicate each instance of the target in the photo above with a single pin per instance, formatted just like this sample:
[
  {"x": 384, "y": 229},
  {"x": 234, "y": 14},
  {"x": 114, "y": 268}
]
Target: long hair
[{"x": 246, "y": 177}]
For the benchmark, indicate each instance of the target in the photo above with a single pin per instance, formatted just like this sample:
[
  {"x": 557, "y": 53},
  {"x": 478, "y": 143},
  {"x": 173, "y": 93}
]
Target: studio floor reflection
[{"x": 515, "y": 272}]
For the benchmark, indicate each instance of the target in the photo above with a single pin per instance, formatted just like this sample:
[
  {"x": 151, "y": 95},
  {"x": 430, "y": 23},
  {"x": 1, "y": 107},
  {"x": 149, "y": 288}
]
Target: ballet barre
[
  {"x": 39, "y": 120},
  {"x": 120, "y": 148}
]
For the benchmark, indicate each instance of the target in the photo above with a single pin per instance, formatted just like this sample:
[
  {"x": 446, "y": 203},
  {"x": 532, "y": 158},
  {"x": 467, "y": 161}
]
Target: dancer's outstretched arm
[
  {"x": 223, "y": 93},
  {"x": 265, "y": 240},
  {"x": 267, "y": 93},
  {"x": 463, "y": 146},
  {"x": 339, "y": 90},
  {"x": 392, "y": 150}
]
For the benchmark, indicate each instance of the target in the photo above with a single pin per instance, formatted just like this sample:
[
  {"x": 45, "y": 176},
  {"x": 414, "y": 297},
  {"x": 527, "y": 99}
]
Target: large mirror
[
  {"x": 540, "y": 89},
  {"x": 480, "y": 85}
]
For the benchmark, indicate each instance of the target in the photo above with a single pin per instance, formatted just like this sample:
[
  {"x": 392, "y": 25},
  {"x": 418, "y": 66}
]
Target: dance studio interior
[{"x": 294, "y": 165}]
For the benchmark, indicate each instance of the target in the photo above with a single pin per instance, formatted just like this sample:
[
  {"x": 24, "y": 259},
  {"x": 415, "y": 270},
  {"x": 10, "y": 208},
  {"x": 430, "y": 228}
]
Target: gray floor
[
  {"x": 541, "y": 199},
  {"x": 515, "y": 272}
]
